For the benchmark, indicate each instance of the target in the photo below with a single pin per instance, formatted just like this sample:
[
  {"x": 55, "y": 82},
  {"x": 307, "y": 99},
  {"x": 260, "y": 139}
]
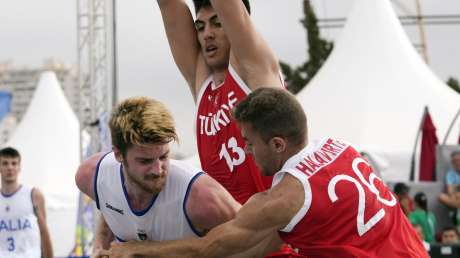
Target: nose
[
  {"x": 157, "y": 167},
  {"x": 208, "y": 32}
]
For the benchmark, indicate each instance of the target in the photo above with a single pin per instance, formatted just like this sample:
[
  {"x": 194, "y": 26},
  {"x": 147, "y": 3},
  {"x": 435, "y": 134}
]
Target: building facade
[{"x": 21, "y": 83}]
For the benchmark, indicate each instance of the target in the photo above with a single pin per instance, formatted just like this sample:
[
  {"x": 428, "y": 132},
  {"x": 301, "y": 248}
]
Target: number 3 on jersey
[
  {"x": 233, "y": 154},
  {"x": 11, "y": 246}
]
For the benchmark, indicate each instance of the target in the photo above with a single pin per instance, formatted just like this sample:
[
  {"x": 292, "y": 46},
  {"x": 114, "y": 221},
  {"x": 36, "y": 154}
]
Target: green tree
[
  {"x": 318, "y": 51},
  {"x": 453, "y": 83}
]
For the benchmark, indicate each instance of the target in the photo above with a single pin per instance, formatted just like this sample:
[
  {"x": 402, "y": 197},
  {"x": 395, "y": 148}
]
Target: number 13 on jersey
[{"x": 232, "y": 153}]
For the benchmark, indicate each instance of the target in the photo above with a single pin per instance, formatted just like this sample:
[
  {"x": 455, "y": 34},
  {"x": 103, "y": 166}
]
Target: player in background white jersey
[
  {"x": 23, "y": 229},
  {"x": 142, "y": 194}
]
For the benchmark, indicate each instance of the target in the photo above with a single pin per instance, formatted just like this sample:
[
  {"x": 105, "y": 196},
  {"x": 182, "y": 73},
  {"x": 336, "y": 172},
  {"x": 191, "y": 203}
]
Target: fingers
[
  {"x": 100, "y": 253},
  {"x": 105, "y": 253}
]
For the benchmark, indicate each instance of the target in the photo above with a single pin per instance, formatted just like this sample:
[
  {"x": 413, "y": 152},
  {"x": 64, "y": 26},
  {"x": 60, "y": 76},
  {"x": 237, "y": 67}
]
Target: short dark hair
[
  {"x": 206, "y": 3},
  {"x": 421, "y": 200},
  {"x": 401, "y": 188},
  {"x": 273, "y": 112},
  {"x": 449, "y": 228},
  {"x": 454, "y": 153},
  {"x": 10, "y": 152}
]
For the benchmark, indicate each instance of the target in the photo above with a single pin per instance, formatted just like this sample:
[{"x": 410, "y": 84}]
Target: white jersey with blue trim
[
  {"x": 165, "y": 218},
  {"x": 19, "y": 232}
]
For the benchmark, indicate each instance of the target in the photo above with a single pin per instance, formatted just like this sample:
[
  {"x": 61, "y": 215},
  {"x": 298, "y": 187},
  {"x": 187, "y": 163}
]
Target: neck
[
  {"x": 138, "y": 198},
  {"x": 292, "y": 151},
  {"x": 9, "y": 188},
  {"x": 218, "y": 77}
]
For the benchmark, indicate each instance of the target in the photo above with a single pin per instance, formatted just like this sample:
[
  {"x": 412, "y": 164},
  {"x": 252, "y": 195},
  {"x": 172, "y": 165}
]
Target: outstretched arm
[
  {"x": 257, "y": 220},
  {"x": 250, "y": 54},
  {"x": 39, "y": 208},
  {"x": 181, "y": 33}
]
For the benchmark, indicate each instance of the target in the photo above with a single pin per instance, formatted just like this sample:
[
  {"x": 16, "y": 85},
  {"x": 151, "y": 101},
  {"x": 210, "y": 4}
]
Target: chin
[
  {"x": 216, "y": 64},
  {"x": 156, "y": 187}
]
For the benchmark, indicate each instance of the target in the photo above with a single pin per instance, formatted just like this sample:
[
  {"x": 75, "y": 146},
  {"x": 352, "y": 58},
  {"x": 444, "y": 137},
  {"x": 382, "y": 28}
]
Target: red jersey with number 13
[{"x": 220, "y": 144}]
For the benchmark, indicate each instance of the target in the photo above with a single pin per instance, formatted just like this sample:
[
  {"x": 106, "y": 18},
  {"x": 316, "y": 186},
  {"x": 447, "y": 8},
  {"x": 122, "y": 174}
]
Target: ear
[
  {"x": 277, "y": 144},
  {"x": 118, "y": 155}
]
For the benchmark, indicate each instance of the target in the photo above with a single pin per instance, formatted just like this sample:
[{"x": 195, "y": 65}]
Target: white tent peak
[
  {"x": 373, "y": 88},
  {"x": 48, "y": 140}
]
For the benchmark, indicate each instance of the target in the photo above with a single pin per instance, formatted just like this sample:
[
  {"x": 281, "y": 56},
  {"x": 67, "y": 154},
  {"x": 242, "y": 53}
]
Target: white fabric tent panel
[
  {"x": 48, "y": 140},
  {"x": 373, "y": 88}
]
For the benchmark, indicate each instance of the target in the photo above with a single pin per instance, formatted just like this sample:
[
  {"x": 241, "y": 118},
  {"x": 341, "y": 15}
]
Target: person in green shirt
[{"x": 423, "y": 217}]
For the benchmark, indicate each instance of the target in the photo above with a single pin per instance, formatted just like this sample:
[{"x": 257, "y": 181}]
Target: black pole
[{"x": 412, "y": 162}]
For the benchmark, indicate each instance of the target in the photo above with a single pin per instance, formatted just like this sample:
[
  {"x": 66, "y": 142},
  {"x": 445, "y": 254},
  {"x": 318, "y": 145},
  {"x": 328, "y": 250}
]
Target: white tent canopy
[
  {"x": 48, "y": 140},
  {"x": 373, "y": 88}
]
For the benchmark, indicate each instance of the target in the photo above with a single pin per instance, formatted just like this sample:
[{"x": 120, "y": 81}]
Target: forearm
[
  {"x": 46, "y": 246},
  {"x": 104, "y": 235},
  {"x": 181, "y": 34},
  {"x": 39, "y": 211},
  {"x": 185, "y": 248},
  {"x": 188, "y": 248}
]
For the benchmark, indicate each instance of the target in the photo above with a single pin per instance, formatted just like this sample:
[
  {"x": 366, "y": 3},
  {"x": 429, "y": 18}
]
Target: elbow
[
  {"x": 79, "y": 178},
  {"x": 231, "y": 213}
]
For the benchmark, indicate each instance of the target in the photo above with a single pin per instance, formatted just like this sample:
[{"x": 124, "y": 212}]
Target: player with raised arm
[{"x": 223, "y": 58}]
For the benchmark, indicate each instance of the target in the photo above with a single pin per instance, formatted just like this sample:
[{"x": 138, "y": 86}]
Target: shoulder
[
  {"x": 413, "y": 216},
  {"x": 38, "y": 199},
  {"x": 452, "y": 177},
  {"x": 85, "y": 174},
  {"x": 287, "y": 194}
]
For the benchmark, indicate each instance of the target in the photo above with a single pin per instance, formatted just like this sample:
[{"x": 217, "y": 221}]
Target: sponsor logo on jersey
[
  {"x": 141, "y": 235},
  {"x": 108, "y": 206},
  {"x": 11, "y": 225}
]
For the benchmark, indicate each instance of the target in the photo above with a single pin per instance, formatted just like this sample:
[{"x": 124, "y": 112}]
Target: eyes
[
  {"x": 6, "y": 163},
  {"x": 214, "y": 22},
  {"x": 199, "y": 26},
  {"x": 143, "y": 161}
]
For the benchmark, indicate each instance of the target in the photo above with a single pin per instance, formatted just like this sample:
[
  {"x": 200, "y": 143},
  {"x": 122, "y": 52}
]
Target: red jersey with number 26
[
  {"x": 220, "y": 144},
  {"x": 348, "y": 211}
]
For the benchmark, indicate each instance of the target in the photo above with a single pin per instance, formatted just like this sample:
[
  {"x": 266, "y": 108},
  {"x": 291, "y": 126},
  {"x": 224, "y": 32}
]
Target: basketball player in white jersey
[
  {"x": 143, "y": 194},
  {"x": 23, "y": 229}
]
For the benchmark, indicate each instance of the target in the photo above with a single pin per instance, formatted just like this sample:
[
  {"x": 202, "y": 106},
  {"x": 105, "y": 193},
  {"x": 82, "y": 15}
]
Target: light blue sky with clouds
[{"x": 31, "y": 31}]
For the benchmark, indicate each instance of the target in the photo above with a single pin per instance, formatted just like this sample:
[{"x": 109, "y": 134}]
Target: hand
[
  {"x": 98, "y": 253},
  {"x": 120, "y": 250}
]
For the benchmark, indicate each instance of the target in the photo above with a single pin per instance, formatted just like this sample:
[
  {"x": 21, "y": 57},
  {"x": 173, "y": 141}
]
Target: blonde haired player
[{"x": 142, "y": 193}]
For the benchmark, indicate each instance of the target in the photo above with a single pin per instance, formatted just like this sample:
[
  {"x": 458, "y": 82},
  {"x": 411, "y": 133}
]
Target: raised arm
[
  {"x": 261, "y": 217},
  {"x": 84, "y": 178},
  {"x": 39, "y": 208},
  {"x": 181, "y": 33},
  {"x": 250, "y": 54}
]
